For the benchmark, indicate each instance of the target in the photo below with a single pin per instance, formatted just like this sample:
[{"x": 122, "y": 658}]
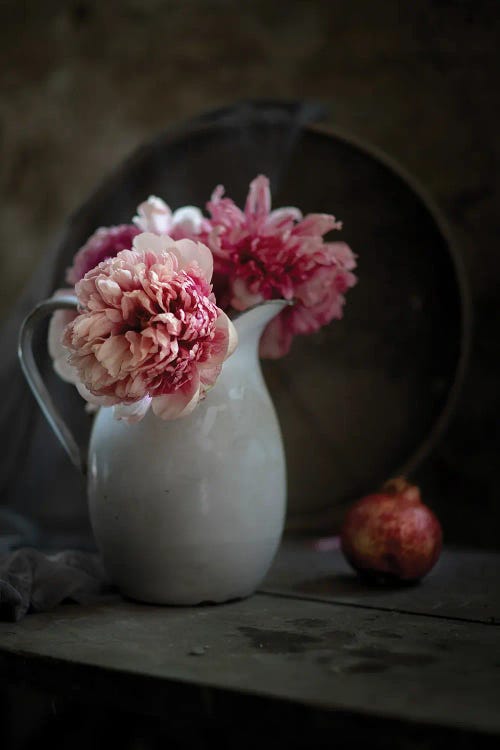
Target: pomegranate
[{"x": 391, "y": 535}]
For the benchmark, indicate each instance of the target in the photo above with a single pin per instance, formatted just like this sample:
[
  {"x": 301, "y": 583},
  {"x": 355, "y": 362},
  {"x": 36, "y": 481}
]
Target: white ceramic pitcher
[{"x": 191, "y": 510}]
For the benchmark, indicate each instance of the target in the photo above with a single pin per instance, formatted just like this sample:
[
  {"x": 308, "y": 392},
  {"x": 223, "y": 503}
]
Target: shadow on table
[{"x": 344, "y": 584}]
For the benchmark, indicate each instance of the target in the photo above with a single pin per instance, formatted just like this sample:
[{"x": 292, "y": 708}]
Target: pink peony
[
  {"x": 105, "y": 243},
  {"x": 261, "y": 254},
  {"x": 149, "y": 332}
]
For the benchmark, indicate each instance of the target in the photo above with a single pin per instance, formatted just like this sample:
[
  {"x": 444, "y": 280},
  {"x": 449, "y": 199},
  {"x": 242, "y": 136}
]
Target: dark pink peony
[
  {"x": 261, "y": 254},
  {"x": 149, "y": 332},
  {"x": 105, "y": 243}
]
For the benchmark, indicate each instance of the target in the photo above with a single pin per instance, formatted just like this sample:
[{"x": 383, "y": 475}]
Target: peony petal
[
  {"x": 342, "y": 254},
  {"x": 242, "y": 298},
  {"x": 276, "y": 339},
  {"x": 92, "y": 399},
  {"x": 189, "y": 219},
  {"x": 65, "y": 370},
  {"x": 132, "y": 412},
  {"x": 224, "y": 343},
  {"x": 60, "y": 354},
  {"x": 172, "y": 324},
  {"x": 317, "y": 224},
  {"x": 58, "y": 323},
  {"x": 153, "y": 216},
  {"x": 258, "y": 203},
  {"x": 153, "y": 243},
  {"x": 189, "y": 252},
  {"x": 109, "y": 290},
  {"x": 231, "y": 331},
  {"x": 282, "y": 218},
  {"x": 111, "y": 354},
  {"x": 178, "y": 404},
  {"x": 208, "y": 376},
  {"x": 223, "y": 210}
]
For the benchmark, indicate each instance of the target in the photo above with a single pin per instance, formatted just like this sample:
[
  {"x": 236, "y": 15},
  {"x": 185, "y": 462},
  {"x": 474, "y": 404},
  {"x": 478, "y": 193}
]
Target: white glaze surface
[{"x": 193, "y": 510}]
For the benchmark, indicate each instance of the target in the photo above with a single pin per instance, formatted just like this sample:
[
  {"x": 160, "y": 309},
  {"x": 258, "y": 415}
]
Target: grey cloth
[{"x": 31, "y": 581}]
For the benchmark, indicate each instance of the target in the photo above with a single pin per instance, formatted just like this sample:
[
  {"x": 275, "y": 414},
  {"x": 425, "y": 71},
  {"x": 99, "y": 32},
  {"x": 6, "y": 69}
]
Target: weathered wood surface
[
  {"x": 319, "y": 655},
  {"x": 464, "y": 584}
]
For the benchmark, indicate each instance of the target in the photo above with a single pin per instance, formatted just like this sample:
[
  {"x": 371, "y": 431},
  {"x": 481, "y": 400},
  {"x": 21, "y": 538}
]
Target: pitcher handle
[{"x": 34, "y": 378}]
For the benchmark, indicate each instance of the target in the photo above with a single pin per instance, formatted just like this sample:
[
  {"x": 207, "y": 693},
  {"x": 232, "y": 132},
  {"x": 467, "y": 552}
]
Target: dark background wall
[{"x": 84, "y": 82}]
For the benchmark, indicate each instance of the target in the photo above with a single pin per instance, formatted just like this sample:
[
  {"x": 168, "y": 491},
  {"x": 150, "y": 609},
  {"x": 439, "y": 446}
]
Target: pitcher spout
[{"x": 251, "y": 324}]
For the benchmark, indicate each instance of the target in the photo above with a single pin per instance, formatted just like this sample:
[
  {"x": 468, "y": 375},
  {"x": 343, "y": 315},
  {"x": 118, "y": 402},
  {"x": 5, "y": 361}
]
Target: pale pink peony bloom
[
  {"x": 261, "y": 254},
  {"x": 149, "y": 333},
  {"x": 154, "y": 215},
  {"x": 105, "y": 243}
]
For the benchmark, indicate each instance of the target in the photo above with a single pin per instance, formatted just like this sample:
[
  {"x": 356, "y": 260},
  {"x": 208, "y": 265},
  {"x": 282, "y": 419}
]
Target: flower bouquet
[
  {"x": 186, "y": 470},
  {"x": 155, "y": 295}
]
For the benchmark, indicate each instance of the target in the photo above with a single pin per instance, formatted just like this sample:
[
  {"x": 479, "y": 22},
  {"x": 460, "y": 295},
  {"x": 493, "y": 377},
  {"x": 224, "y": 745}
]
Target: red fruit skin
[{"x": 393, "y": 535}]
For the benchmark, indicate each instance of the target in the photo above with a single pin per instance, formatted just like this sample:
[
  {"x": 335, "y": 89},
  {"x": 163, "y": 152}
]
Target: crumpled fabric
[{"x": 32, "y": 581}]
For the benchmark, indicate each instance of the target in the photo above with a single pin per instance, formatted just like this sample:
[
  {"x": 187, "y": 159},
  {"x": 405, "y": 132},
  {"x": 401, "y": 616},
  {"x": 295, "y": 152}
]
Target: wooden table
[{"x": 313, "y": 651}]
